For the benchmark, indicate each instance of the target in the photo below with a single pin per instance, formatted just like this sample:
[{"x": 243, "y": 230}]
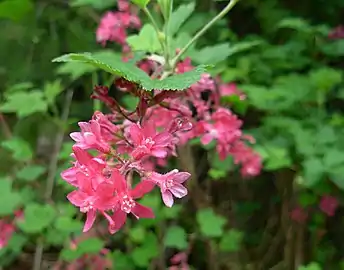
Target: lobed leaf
[{"x": 133, "y": 73}]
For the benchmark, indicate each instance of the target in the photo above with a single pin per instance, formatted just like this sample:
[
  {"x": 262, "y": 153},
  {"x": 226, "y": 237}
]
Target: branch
[{"x": 51, "y": 174}]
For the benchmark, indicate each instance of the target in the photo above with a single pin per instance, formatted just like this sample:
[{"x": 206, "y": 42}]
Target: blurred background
[{"x": 286, "y": 57}]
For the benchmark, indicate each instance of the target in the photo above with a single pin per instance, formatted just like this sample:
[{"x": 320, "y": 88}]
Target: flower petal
[
  {"x": 141, "y": 211},
  {"x": 77, "y": 197},
  {"x": 167, "y": 198},
  {"x": 90, "y": 218},
  {"x": 178, "y": 190},
  {"x": 181, "y": 177},
  {"x": 135, "y": 134},
  {"x": 142, "y": 188}
]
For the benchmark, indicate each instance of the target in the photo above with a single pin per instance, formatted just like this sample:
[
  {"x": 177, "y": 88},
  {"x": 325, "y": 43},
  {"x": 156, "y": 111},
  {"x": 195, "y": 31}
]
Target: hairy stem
[
  {"x": 230, "y": 5},
  {"x": 159, "y": 33}
]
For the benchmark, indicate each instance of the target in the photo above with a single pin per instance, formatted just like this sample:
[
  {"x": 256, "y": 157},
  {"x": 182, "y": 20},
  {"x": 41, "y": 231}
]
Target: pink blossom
[
  {"x": 90, "y": 137},
  {"x": 147, "y": 141},
  {"x": 337, "y": 33},
  {"x": 6, "y": 231},
  {"x": 228, "y": 89},
  {"x": 299, "y": 215},
  {"x": 328, "y": 204},
  {"x": 225, "y": 128},
  {"x": 90, "y": 197},
  {"x": 85, "y": 163},
  {"x": 113, "y": 25},
  {"x": 125, "y": 202},
  {"x": 171, "y": 185}
]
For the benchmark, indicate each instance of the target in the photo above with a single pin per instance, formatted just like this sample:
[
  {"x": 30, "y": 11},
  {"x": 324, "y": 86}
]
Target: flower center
[
  {"x": 168, "y": 184},
  {"x": 127, "y": 204},
  {"x": 87, "y": 206},
  {"x": 149, "y": 142}
]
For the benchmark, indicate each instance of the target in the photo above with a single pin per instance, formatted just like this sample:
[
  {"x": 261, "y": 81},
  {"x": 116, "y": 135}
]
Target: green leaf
[
  {"x": 211, "y": 54},
  {"x": 130, "y": 102},
  {"x": 56, "y": 238},
  {"x": 334, "y": 48},
  {"x": 24, "y": 103},
  {"x": 90, "y": 246},
  {"x": 313, "y": 170},
  {"x": 122, "y": 261},
  {"x": 179, "y": 17},
  {"x": 143, "y": 254},
  {"x": 333, "y": 158},
  {"x": 9, "y": 200},
  {"x": 20, "y": 87},
  {"x": 223, "y": 165},
  {"x": 244, "y": 46},
  {"x": 236, "y": 103},
  {"x": 69, "y": 255},
  {"x": 137, "y": 234},
  {"x": 30, "y": 172},
  {"x": 310, "y": 266},
  {"x": 295, "y": 23},
  {"x": 36, "y": 218},
  {"x": 211, "y": 224},
  {"x": 231, "y": 241},
  {"x": 171, "y": 212},
  {"x": 274, "y": 156},
  {"x": 176, "y": 238},
  {"x": 134, "y": 74},
  {"x": 15, "y": 9},
  {"x": 97, "y": 4},
  {"x": 147, "y": 40},
  {"x": 75, "y": 69},
  {"x": 20, "y": 149},
  {"x": 337, "y": 176},
  {"x": 51, "y": 90},
  {"x": 216, "y": 174},
  {"x": 68, "y": 224},
  {"x": 141, "y": 3},
  {"x": 306, "y": 199},
  {"x": 325, "y": 78}
]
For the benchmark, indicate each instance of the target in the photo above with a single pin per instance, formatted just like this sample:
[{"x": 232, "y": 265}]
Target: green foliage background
[{"x": 276, "y": 51}]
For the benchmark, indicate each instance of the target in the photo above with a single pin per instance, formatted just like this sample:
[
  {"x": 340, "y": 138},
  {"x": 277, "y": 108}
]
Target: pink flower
[
  {"x": 91, "y": 137},
  {"x": 113, "y": 25},
  {"x": 6, "y": 232},
  {"x": 228, "y": 89},
  {"x": 171, "y": 185},
  {"x": 225, "y": 128},
  {"x": 299, "y": 215},
  {"x": 337, "y": 33},
  {"x": 328, "y": 204},
  {"x": 147, "y": 141},
  {"x": 125, "y": 202},
  {"x": 90, "y": 197},
  {"x": 85, "y": 163}
]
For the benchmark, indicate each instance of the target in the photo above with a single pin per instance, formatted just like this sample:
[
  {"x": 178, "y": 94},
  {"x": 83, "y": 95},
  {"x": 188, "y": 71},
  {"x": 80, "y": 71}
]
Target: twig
[
  {"x": 51, "y": 174},
  {"x": 5, "y": 128},
  {"x": 229, "y": 6},
  {"x": 57, "y": 147}
]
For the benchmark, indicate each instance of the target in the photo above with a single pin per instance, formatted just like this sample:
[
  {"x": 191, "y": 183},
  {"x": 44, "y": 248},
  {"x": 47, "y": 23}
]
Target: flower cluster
[
  {"x": 113, "y": 25},
  {"x": 104, "y": 181},
  {"x": 128, "y": 145},
  {"x": 337, "y": 33},
  {"x": 8, "y": 228}
]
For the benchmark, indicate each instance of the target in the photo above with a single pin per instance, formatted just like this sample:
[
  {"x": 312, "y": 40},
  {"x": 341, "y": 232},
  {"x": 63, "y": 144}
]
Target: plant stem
[
  {"x": 163, "y": 41},
  {"x": 5, "y": 128},
  {"x": 97, "y": 105},
  {"x": 51, "y": 175},
  {"x": 230, "y": 5}
]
